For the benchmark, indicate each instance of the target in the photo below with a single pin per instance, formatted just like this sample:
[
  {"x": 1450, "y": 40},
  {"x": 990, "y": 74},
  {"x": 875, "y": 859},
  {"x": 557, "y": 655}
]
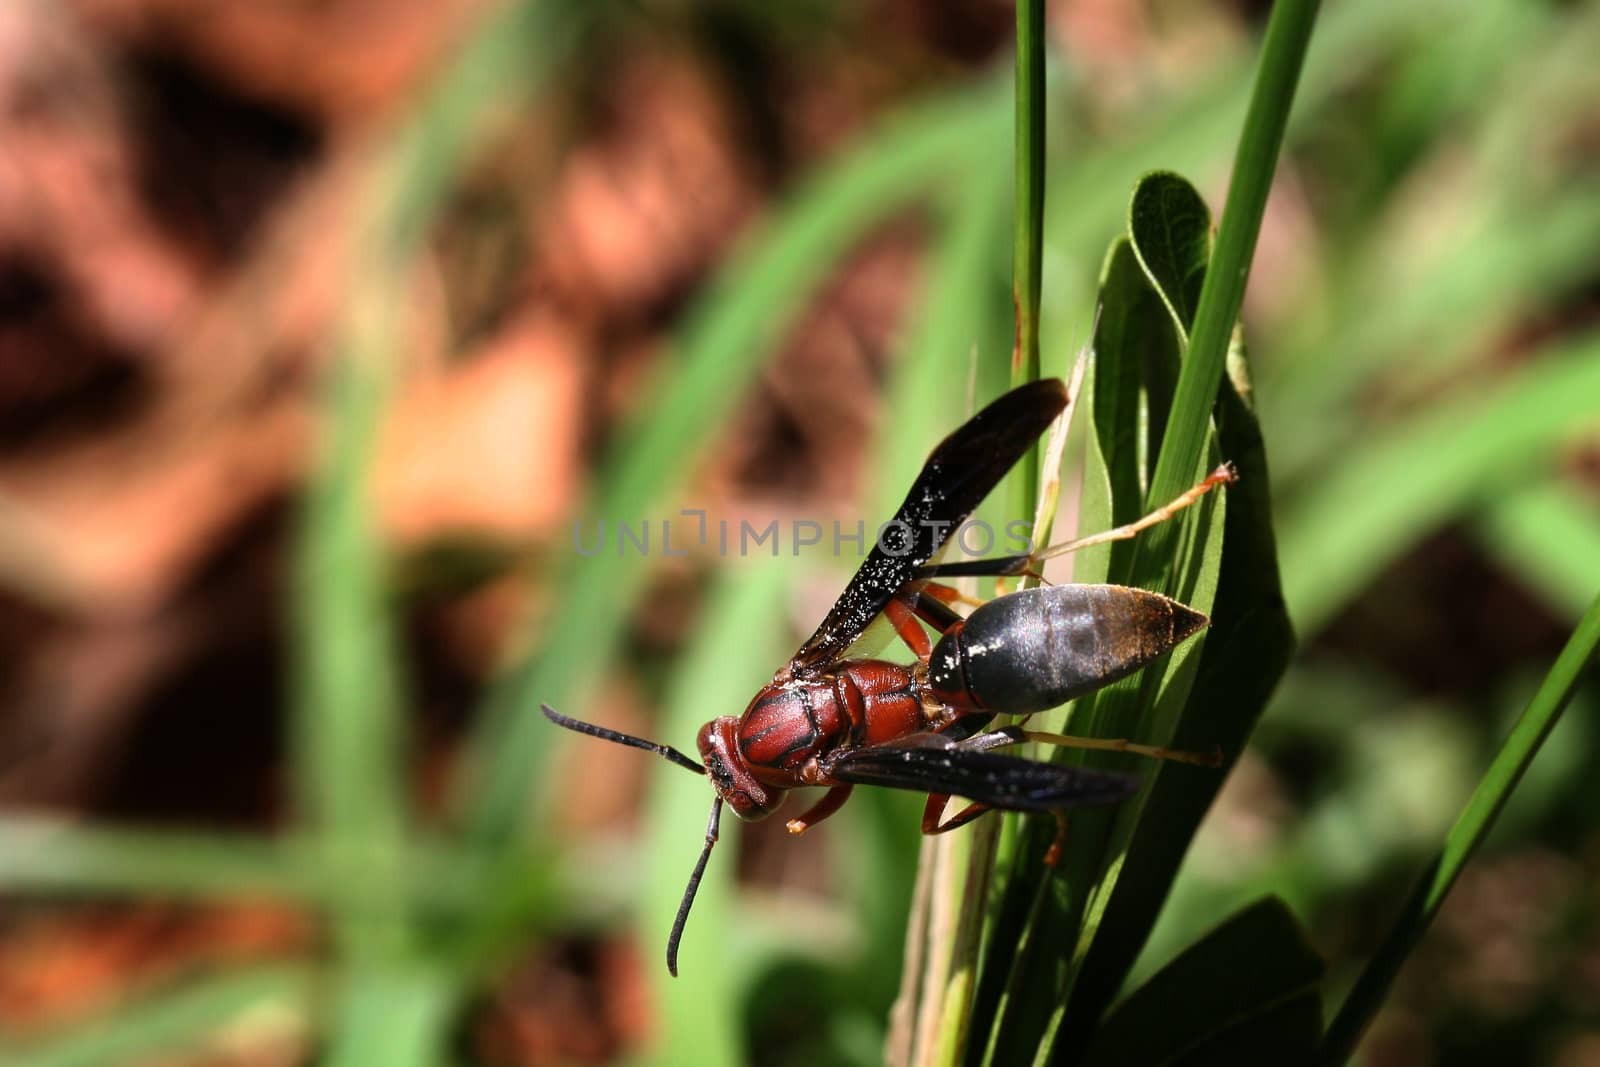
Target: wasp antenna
[
  {"x": 712, "y": 826},
  {"x": 621, "y": 738}
]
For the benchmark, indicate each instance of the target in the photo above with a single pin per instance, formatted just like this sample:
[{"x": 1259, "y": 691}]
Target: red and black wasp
[{"x": 826, "y": 719}]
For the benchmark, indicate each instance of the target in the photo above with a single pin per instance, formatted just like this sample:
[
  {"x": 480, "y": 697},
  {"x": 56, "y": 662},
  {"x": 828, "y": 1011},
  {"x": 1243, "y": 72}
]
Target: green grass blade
[
  {"x": 963, "y": 864},
  {"x": 1480, "y": 282},
  {"x": 48, "y": 855},
  {"x": 1282, "y": 55},
  {"x": 395, "y": 1013},
  {"x": 348, "y": 733},
  {"x": 1550, "y": 536},
  {"x": 756, "y": 296},
  {"x": 174, "y": 1022},
  {"x": 1465, "y": 836},
  {"x": 1028, "y": 220},
  {"x": 348, "y": 730},
  {"x": 1339, "y": 536},
  {"x": 349, "y": 740},
  {"x": 43, "y": 855}
]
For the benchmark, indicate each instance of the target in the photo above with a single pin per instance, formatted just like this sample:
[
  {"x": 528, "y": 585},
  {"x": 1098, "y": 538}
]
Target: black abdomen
[{"x": 1039, "y": 648}]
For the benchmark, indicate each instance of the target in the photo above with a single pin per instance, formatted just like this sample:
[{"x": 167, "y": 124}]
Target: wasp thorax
[{"x": 730, "y": 775}]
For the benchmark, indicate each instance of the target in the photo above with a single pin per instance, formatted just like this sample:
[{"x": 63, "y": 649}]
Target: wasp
[{"x": 829, "y": 719}]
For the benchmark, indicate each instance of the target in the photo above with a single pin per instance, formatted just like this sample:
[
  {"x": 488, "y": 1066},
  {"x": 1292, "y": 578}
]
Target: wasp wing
[
  {"x": 957, "y": 476},
  {"x": 1006, "y": 782}
]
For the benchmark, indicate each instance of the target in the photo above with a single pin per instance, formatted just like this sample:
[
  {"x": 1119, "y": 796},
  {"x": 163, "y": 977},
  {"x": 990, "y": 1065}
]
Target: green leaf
[
  {"x": 1171, "y": 229},
  {"x": 1153, "y": 707},
  {"x": 1224, "y": 994},
  {"x": 1134, "y": 324}
]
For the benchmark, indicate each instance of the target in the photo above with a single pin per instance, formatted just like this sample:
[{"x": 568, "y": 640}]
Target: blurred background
[{"x": 323, "y": 321}]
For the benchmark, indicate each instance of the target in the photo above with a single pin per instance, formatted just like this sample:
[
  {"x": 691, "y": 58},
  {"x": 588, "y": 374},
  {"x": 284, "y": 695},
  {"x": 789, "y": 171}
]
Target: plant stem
[{"x": 1027, "y": 265}]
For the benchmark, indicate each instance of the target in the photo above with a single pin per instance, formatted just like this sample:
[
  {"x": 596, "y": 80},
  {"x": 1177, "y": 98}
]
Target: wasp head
[{"x": 731, "y": 775}]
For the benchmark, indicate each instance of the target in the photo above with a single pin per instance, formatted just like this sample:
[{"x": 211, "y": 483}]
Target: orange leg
[
  {"x": 831, "y": 802},
  {"x": 930, "y": 602},
  {"x": 1052, "y": 855},
  {"x": 935, "y": 807},
  {"x": 905, "y": 624},
  {"x": 949, "y": 595}
]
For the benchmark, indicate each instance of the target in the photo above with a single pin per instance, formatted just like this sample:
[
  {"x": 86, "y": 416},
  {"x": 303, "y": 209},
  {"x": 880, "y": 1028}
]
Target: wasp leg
[
  {"x": 930, "y": 603},
  {"x": 1223, "y": 475},
  {"x": 1013, "y": 735},
  {"x": 831, "y": 802},
  {"x": 904, "y": 621},
  {"x": 935, "y": 808},
  {"x": 1052, "y": 855},
  {"x": 1026, "y": 565}
]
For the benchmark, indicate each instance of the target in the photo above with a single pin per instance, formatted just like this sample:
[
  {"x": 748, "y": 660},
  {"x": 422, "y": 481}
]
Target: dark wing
[
  {"x": 954, "y": 481},
  {"x": 1006, "y": 782}
]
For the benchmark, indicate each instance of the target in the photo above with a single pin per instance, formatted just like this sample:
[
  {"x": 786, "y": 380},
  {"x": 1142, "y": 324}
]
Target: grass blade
[
  {"x": 173, "y": 1021},
  {"x": 1465, "y": 836},
  {"x": 349, "y": 732},
  {"x": 1024, "y": 985},
  {"x": 1550, "y": 535},
  {"x": 1372, "y": 506},
  {"x": 1028, "y": 223},
  {"x": 1282, "y": 56}
]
